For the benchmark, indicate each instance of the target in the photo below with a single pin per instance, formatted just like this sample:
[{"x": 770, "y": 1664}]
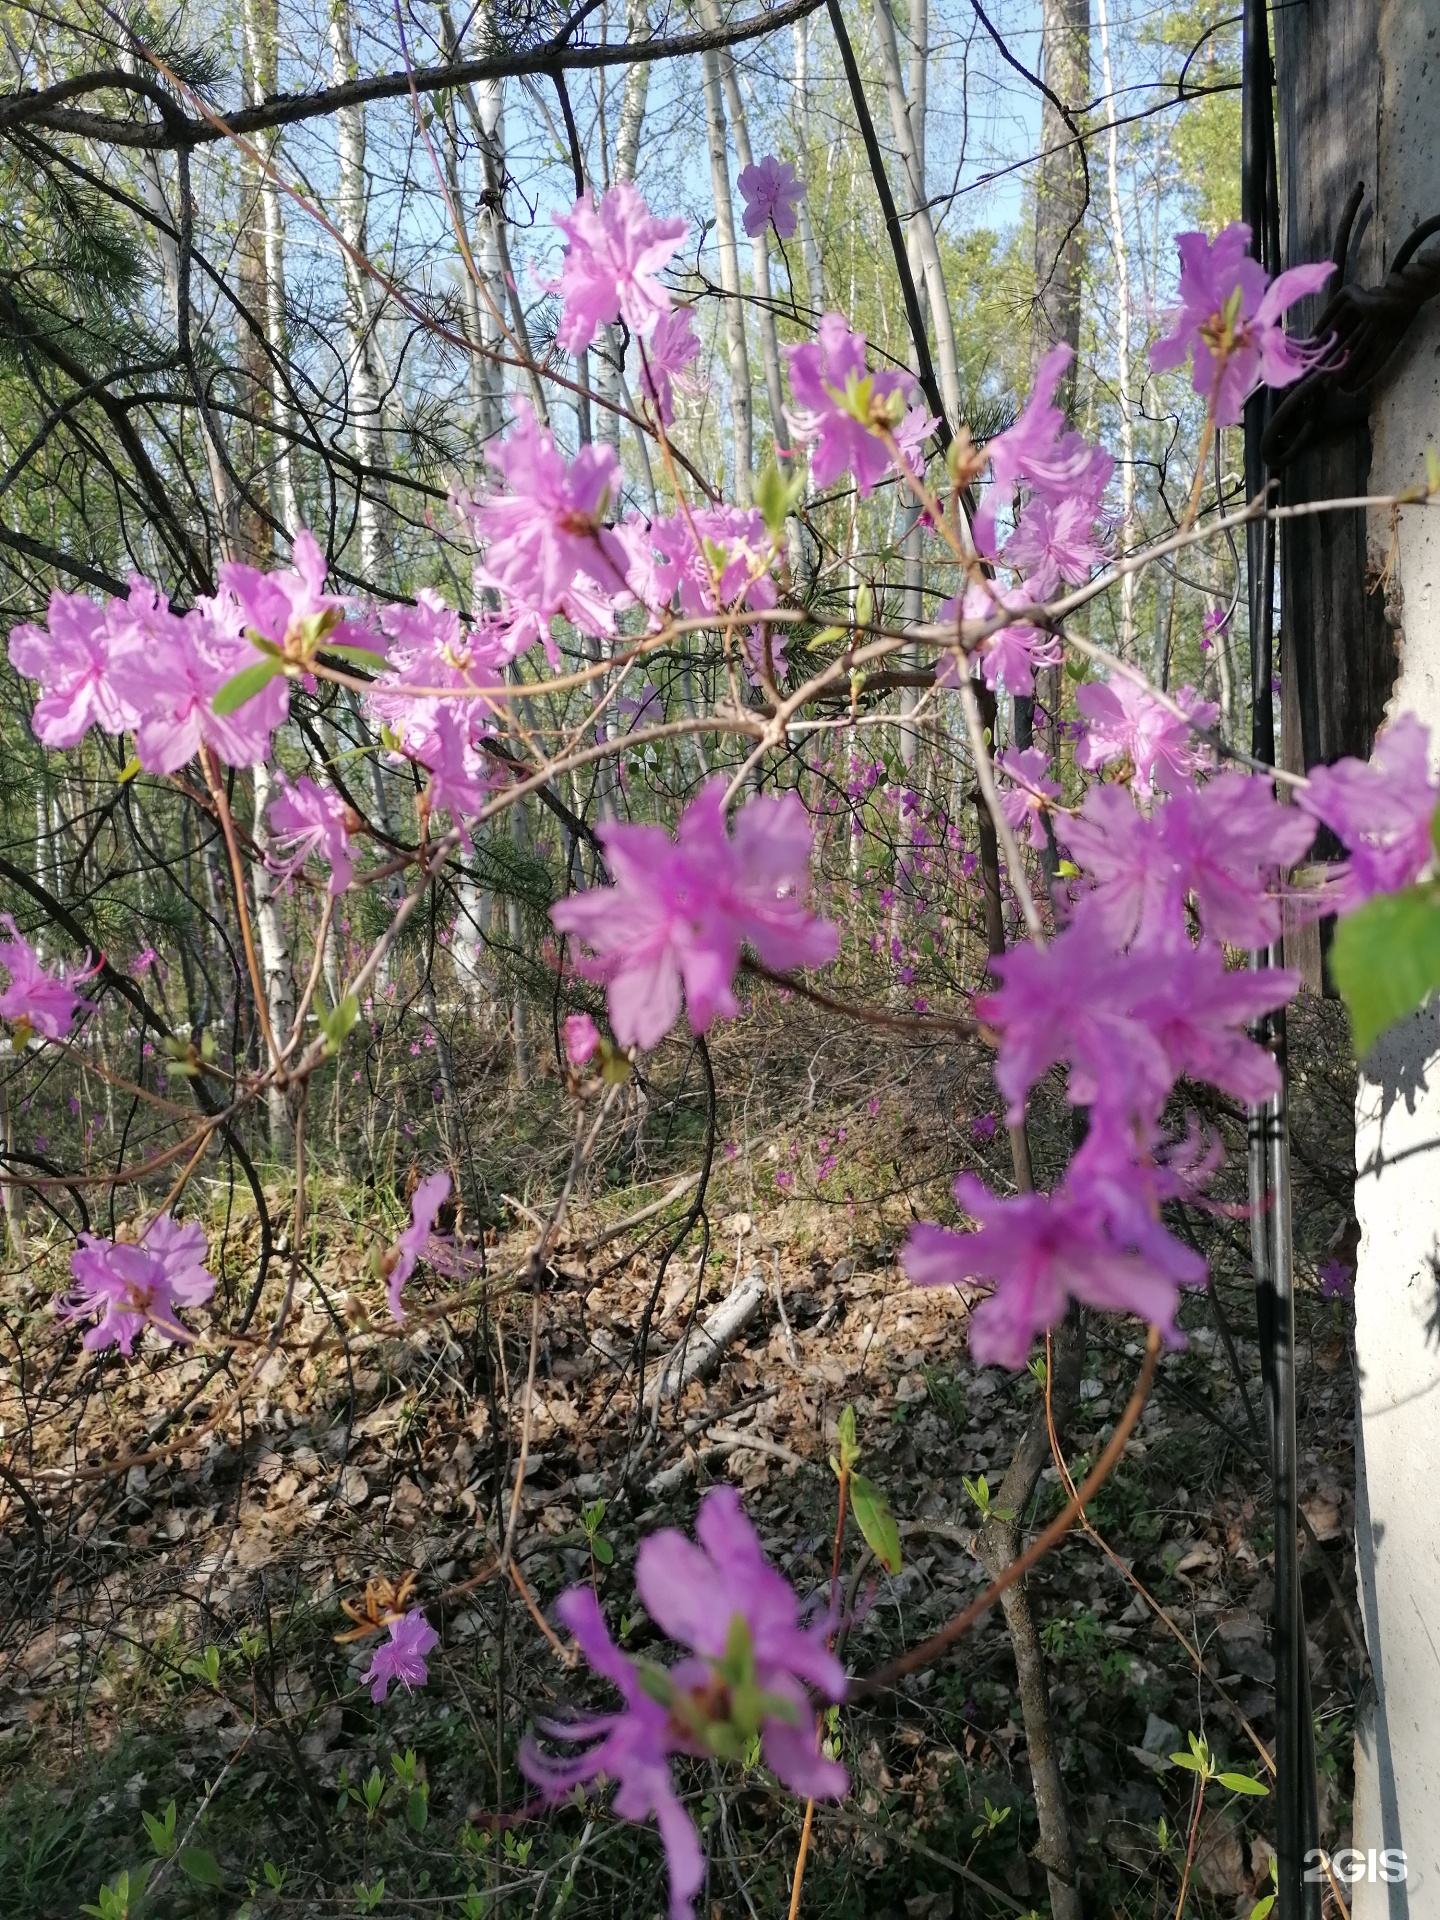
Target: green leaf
[
  {"x": 602, "y": 1550},
  {"x": 161, "y": 1829},
  {"x": 362, "y": 656},
  {"x": 864, "y": 604},
  {"x": 845, "y": 1436},
  {"x": 1386, "y": 960},
  {"x": 1261, "y": 1908},
  {"x": 128, "y": 772},
  {"x": 1188, "y": 1761},
  {"x": 1242, "y": 1783},
  {"x": 876, "y": 1522},
  {"x": 776, "y": 498},
  {"x": 417, "y": 1811},
  {"x": 202, "y": 1866},
  {"x": 336, "y": 1022},
  {"x": 827, "y": 636},
  {"x": 245, "y": 685}
]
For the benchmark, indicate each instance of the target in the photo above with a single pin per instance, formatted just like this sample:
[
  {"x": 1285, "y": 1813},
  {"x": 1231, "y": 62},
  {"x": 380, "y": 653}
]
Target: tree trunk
[
  {"x": 1123, "y": 391},
  {"x": 999, "y": 1544},
  {"x": 360, "y": 307},
  {"x": 759, "y": 251},
  {"x": 1060, "y": 184},
  {"x": 730, "y": 281},
  {"x": 800, "y": 111},
  {"x": 1398, "y": 1104},
  {"x": 921, "y": 228},
  {"x": 277, "y": 973}
]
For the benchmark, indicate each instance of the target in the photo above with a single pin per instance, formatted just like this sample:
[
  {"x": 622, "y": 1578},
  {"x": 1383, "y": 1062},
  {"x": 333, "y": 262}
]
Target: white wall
[{"x": 1397, "y": 1297}]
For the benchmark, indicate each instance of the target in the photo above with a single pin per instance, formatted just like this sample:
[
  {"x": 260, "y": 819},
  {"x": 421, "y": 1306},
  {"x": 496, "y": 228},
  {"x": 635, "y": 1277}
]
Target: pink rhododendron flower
[
  {"x": 45, "y": 1003},
  {"x": 542, "y": 537},
  {"x": 70, "y": 658},
  {"x": 306, "y": 819},
  {"x": 1197, "y": 1008},
  {"x": 429, "y": 646},
  {"x": 582, "y": 1037},
  {"x": 1213, "y": 627},
  {"x": 461, "y": 778},
  {"x": 1127, "y": 1025},
  {"x": 752, "y": 1671},
  {"x": 770, "y": 191},
  {"x": 664, "y": 358},
  {"x": 1229, "y": 319},
  {"x": 610, "y": 266},
  {"x": 680, "y": 910},
  {"x": 835, "y": 399},
  {"x": 1057, "y": 463},
  {"x": 426, "y": 1202},
  {"x": 695, "y": 1591},
  {"x": 402, "y": 1657},
  {"x": 734, "y": 541},
  {"x": 169, "y": 667},
  {"x": 1337, "y": 1280},
  {"x": 1382, "y": 810},
  {"x": 1054, "y": 542},
  {"x": 1009, "y": 656},
  {"x": 1218, "y": 844},
  {"x": 1040, "y": 1251},
  {"x": 130, "y": 1287},
  {"x": 632, "y": 1748},
  {"x": 1023, "y": 798},
  {"x": 1125, "y": 719},
  {"x": 289, "y": 605}
]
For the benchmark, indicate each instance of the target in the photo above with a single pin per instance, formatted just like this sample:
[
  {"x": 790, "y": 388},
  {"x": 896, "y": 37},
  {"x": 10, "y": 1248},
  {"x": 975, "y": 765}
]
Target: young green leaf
[
  {"x": 876, "y": 1522},
  {"x": 1242, "y": 1783},
  {"x": 336, "y": 1022},
  {"x": 776, "y": 498},
  {"x": 201, "y": 1866},
  {"x": 1192, "y": 1763},
  {"x": 245, "y": 685},
  {"x": 1386, "y": 960}
]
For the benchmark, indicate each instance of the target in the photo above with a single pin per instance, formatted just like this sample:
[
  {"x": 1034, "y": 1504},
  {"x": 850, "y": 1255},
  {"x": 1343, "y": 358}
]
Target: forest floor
[{"x": 170, "y": 1632}]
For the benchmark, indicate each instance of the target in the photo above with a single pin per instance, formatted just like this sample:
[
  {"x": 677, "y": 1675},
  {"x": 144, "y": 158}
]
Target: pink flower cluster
[
  {"x": 840, "y": 405},
  {"x": 1066, "y": 479},
  {"x": 1228, "y": 321},
  {"x": 752, "y": 1669},
  {"x": 1131, "y": 1003},
  {"x": 32, "y": 1000},
  {"x": 680, "y": 910},
  {"x": 124, "y": 1288}
]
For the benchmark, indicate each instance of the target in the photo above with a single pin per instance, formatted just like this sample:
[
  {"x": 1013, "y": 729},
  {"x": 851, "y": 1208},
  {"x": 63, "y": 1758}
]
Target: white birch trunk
[
  {"x": 730, "y": 281},
  {"x": 277, "y": 973},
  {"x": 800, "y": 111},
  {"x": 920, "y": 226},
  {"x": 360, "y": 307},
  {"x": 759, "y": 246},
  {"x": 1121, "y": 252}
]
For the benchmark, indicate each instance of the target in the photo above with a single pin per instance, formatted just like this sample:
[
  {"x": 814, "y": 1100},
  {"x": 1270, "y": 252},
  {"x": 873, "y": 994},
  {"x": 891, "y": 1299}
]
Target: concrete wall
[{"x": 1397, "y": 1295}]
